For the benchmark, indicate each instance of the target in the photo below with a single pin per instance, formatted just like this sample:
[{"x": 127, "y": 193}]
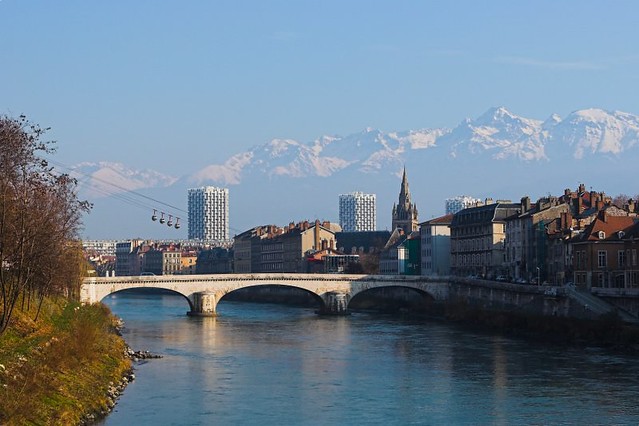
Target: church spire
[
  {"x": 405, "y": 212},
  {"x": 404, "y": 193}
]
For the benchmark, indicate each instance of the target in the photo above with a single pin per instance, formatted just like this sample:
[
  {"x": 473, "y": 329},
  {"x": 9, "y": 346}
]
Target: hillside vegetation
[
  {"x": 57, "y": 359},
  {"x": 58, "y": 370}
]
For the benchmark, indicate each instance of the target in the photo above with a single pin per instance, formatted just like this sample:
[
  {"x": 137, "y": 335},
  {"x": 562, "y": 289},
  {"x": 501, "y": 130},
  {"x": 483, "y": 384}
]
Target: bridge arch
[
  {"x": 205, "y": 291},
  {"x": 391, "y": 297},
  {"x": 268, "y": 292},
  {"x": 171, "y": 291}
]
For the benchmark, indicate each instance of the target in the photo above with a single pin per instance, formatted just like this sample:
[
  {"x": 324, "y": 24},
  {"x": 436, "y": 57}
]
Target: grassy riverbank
[{"x": 58, "y": 369}]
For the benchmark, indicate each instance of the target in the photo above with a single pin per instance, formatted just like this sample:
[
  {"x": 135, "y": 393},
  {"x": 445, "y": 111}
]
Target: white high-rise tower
[
  {"x": 208, "y": 213},
  {"x": 357, "y": 212},
  {"x": 461, "y": 202}
]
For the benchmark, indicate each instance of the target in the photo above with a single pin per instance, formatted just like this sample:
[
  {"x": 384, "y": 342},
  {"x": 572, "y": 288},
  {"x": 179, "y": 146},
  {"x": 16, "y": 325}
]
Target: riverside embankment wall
[{"x": 517, "y": 299}]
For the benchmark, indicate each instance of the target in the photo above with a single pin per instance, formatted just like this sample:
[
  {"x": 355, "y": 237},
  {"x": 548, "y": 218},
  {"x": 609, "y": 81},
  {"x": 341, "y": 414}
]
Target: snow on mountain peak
[
  {"x": 108, "y": 178},
  {"x": 593, "y": 130},
  {"x": 501, "y": 133},
  {"x": 498, "y": 133}
]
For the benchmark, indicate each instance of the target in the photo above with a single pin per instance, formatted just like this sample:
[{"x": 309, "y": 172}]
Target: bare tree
[
  {"x": 39, "y": 216},
  {"x": 620, "y": 200}
]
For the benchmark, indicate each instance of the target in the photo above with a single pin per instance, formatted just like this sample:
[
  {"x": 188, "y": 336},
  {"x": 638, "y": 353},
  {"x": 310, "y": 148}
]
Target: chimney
[
  {"x": 488, "y": 201},
  {"x": 599, "y": 204},
  {"x": 579, "y": 204},
  {"x": 316, "y": 234},
  {"x": 525, "y": 204},
  {"x": 631, "y": 206},
  {"x": 582, "y": 188}
]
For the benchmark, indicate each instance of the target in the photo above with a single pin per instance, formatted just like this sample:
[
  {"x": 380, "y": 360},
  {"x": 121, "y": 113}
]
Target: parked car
[{"x": 501, "y": 278}]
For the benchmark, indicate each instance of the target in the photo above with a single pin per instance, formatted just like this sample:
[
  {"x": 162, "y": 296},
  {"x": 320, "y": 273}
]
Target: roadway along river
[{"x": 272, "y": 365}]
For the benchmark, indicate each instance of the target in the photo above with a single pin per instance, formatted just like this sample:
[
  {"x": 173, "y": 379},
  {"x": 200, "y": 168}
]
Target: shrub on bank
[{"x": 59, "y": 369}]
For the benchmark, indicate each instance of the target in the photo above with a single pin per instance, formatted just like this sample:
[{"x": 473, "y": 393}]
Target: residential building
[
  {"x": 273, "y": 249},
  {"x": 405, "y": 212},
  {"x": 99, "y": 247},
  {"x": 435, "y": 245},
  {"x": 461, "y": 202},
  {"x": 208, "y": 213},
  {"x": 217, "y": 260},
  {"x": 247, "y": 247},
  {"x": 188, "y": 262},
  {"x": 367, "y": 245},
  {"x": 526, "y": 237},
  {"x": 631, "y": 246},
  {"x": 357, "y": 212},
  {"x": 600, "y": 256},
  {"x": 537, "y": 236},
  {"x": 126, "y": 260},
  {"x": 477, "y": 239},
  {"x": 365, "y": 242},
  {"x": 340, "y": 263},
  {"x": 401, "y": 255},
  {"x": 162, "y": 260}
]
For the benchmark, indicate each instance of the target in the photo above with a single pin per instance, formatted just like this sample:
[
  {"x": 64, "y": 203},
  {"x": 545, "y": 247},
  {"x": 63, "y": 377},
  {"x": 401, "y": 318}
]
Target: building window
[
  {"x": 580, "y": 259},
  {"x": 600, "y": 280},
  {"x": 621, "y": 258},
  {"x": 602, "y": 258},
  {"x": 634, "y": 257}
]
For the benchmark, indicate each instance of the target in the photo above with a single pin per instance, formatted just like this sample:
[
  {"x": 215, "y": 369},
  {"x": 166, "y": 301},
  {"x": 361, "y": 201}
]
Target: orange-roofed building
[{"x": 599, "y": 253}]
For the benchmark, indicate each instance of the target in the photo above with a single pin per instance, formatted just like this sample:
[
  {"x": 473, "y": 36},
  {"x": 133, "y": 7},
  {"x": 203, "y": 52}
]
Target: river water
[{"x": 279, "y": 365}]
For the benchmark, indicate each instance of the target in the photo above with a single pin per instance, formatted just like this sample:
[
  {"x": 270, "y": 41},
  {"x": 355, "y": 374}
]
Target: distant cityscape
[{"x": 579, "y": 238}]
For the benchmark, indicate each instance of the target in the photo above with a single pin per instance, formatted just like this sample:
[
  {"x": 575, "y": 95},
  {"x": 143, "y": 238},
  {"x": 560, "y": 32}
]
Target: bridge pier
[
  {"x": 204, "y": 304},
  {"x": 335, "y": 303}
]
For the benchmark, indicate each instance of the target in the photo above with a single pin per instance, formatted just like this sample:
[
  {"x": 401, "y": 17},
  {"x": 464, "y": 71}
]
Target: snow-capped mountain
[
  {"x": 595, "y": 131},
  {"x": 368, "y": 151},
  {"x": 499, "y": 155},
  {"x": 498, "y": 134},
  {"x": 106, "y": 178}
]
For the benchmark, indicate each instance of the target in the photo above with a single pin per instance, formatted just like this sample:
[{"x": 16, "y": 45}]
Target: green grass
[{"x": 58, "y": 369}]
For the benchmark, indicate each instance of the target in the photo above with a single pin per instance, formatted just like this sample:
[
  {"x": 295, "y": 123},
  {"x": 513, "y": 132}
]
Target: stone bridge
[{"x": 203, "y": 292}]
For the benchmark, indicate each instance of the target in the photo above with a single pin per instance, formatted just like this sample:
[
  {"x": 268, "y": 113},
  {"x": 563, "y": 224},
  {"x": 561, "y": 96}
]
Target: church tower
[{"x": 405, "y": 212}]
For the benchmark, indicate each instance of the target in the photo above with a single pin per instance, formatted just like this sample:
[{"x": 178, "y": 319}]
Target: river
[{"x": 272, "y": 364}]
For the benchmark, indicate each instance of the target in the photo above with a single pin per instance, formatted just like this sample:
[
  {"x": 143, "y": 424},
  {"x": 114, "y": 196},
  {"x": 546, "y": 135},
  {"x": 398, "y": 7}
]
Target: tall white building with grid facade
[
  {"x": 357, "y": 212},
  {"x": 461, "y": 202},
  {"x": 208, "y": 213}
]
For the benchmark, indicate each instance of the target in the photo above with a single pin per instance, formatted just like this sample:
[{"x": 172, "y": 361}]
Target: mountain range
[{"x": 498, "y": 154}]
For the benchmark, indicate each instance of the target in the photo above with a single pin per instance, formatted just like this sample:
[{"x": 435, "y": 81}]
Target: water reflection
[{"x": 271, "y": 364}]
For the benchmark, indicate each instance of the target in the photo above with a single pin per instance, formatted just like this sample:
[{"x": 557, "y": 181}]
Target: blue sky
[{"x": 155, "y": 84}]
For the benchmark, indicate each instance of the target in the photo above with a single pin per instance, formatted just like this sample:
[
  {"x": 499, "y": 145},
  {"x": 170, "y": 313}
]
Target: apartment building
[
  {"x": 357, "y": 212},
  {"x": 477, "y": 239},
  {"x": 208, "y": 213}
]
